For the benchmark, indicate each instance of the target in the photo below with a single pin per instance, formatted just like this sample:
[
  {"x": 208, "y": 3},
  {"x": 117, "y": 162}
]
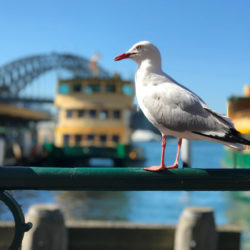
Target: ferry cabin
[
  {"x": 238, "y": 109},
  {"x": 93, "y": 112}
]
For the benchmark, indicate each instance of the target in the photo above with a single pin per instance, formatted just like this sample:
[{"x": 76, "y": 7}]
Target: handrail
[{"x": 107, "y": 179}]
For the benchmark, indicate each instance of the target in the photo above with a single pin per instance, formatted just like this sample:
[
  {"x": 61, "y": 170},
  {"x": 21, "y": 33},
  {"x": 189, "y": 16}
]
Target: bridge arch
[{"x": 16, "y": 75}]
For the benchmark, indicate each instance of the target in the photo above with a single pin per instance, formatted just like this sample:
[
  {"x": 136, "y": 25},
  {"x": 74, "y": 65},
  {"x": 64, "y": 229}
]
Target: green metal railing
[
  {"x": 44, "y": 178},
  {"x": 107, "y": 179}
]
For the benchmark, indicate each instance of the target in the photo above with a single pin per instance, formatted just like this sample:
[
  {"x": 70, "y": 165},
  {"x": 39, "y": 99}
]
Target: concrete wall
[{"x": 97, "y": 235}]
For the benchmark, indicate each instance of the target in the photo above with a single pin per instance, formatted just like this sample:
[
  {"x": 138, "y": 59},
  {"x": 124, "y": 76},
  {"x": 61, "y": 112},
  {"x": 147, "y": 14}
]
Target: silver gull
[{"x": 174, "y": 109}]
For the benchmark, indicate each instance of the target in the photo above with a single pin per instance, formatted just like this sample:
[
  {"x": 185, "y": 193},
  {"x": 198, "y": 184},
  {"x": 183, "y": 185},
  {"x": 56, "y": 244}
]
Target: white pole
[{"x": 186, "y": 153}]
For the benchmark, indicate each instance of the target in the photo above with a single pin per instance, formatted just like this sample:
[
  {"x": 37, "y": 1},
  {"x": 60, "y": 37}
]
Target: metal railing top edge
[{"x": 116, "y": 179}]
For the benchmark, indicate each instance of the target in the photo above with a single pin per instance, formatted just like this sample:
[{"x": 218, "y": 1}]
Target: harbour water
[{"x": 148, "y": 206}]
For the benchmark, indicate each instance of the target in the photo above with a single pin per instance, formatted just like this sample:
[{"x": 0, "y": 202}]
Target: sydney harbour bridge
[{"x": 17, "y": 76}]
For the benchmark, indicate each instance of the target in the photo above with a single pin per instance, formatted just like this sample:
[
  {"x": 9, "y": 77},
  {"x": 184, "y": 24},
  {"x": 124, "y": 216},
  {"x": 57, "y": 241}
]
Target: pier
[{"x": 126, "y": 236}]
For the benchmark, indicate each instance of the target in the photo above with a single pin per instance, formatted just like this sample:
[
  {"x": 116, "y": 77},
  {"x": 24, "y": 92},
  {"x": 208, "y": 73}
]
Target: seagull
[{"x": 174, "y": 109}]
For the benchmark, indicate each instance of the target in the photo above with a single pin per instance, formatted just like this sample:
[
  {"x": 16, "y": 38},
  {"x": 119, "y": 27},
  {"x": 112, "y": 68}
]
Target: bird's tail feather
[
  {"x": 232, "y": 139},
  {"x": 236, "y": 136}
]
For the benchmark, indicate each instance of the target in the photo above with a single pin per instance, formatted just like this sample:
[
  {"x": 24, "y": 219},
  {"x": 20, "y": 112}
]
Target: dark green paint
[
  {"x": 20, "y": 226},
  {"x": 56, "y": 156},
  {"x": 123, "y": 179},
  {"x": 239, "y": 98}
]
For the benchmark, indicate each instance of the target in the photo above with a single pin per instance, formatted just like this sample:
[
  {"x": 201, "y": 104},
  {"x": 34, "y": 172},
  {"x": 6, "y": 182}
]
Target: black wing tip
[
  {"x": 235, "y": 134},
  {"x": 232, "y": 135}
]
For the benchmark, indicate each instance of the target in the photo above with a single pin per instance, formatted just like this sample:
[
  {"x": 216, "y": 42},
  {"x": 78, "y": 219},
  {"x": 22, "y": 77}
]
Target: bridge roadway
[{"x": 17, "y": 99}]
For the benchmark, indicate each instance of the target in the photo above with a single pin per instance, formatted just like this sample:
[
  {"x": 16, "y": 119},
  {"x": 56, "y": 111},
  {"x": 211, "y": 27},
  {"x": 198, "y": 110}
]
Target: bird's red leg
[
  {"x": 177, "y": 155},
  {"x": 162, "y": 166}
]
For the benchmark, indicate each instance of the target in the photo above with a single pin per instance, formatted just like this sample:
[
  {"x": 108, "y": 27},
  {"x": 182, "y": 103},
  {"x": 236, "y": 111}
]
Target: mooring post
[
  {"x": 196, "y": 230},
  {"x": 48, "y": 231},
  {"x": 186, "y": 153}
]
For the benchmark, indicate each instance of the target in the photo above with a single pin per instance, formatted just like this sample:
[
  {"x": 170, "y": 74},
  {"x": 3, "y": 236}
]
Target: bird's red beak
[{"x": 122, "y": 56}]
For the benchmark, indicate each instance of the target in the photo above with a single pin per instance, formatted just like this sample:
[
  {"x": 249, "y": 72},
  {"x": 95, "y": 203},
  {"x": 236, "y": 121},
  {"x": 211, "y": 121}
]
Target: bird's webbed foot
[{"x": 161, "y": 167}]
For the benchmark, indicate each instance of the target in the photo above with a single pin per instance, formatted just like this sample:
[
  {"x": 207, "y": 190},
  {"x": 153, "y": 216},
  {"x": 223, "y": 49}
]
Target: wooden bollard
[
  {"x": 196, "y": 230},
  {"x": 48, "y": 231}
]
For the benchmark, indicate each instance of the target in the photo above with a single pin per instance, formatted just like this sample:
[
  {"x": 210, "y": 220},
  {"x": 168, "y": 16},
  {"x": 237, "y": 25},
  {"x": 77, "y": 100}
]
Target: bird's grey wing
[
  {"x": 222, "y": 118},
  {"x": 179, "y": 110},
  {"x": 170, "y": 79}
]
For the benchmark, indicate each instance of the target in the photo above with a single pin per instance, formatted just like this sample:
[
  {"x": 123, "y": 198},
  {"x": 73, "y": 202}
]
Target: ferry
[
  {"x": 238, "y": 109},
  {"x": 93, "y": 123}
]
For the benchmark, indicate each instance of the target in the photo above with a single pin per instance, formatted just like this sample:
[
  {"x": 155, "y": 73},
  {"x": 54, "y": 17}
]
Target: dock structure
[
  {"x": 13, "y": 113},
  {"x": 17, "y": 132},
  {"x": 96, "y": 235}
]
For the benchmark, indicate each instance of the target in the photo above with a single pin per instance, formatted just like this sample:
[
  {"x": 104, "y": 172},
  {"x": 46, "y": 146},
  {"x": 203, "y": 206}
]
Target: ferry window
[
  {"x": 110, "y": 88},
  {"x": 92, "y": 113},
  {"x": 93, "y": 88},
  {"x": 90, "y": 137},
  {"x": 80, "y": 113},
  {"x": 126, "y": 89},
  {"x": 103, "y": 138},
  {"x": 64, "y": 88},
  {"x": 69, "y": 113},
  {"x": 115, "y": 138},
  {"x": 103, "y": 115},
  {"x": 78, "y": 139},
  {"x": 117, "y": 114},
  {"x": 77, "y": 87},
  {"x": 66, "y": 140}
]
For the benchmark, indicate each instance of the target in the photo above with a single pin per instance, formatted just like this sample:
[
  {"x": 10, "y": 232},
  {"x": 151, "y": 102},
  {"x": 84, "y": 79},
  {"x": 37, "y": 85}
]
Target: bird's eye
[{"x": 138, "y": 47}]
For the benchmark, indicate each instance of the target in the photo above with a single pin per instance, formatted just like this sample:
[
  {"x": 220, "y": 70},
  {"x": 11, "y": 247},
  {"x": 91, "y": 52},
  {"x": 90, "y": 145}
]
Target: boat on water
[
  {"x": 93, "y": 122},
  {"x": 145, "y": 136},
  {"x": 238, "y": 109}
]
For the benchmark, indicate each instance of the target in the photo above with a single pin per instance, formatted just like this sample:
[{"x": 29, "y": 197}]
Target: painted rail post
[
  {"x": 196, "y": 230},
  {"x": 48, "y": 231}
]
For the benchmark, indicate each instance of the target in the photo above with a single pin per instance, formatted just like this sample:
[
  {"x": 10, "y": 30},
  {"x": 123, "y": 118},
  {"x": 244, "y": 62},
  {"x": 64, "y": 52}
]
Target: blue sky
[{"x": 205, "y": 45}]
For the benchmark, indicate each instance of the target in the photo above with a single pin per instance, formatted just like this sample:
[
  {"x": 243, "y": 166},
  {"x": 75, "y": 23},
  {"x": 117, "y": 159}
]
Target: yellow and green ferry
[
  {"x": 238, "y": 109},
  {"x": 93, "y": 122}
]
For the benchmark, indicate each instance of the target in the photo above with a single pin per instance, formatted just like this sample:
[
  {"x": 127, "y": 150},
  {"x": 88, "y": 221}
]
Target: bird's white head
[{"x": 141, "y": 51}]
